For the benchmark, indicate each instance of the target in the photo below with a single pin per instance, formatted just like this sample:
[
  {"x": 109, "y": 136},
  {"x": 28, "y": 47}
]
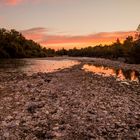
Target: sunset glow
[
  {"x": 67, "y": 41},
  {"x": 57, "y": 24}
]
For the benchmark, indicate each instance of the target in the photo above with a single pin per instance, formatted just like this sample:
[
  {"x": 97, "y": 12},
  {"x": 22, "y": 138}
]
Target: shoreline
[
  {"x": 93, "y": 60},
  {"x": 69, "y": 104}
]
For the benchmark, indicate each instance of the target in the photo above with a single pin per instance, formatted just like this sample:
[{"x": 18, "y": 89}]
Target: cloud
[
  {"x": 17, "y": 2},
  {"x": 11, "y": 2},
  {"x": 35, "y": 30},
  {"x": 42, "y": 36},
  {"x": 36, "y": 34}
]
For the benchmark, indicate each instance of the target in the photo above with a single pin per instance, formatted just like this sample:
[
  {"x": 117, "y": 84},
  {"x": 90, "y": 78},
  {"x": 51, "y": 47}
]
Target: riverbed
[{"x": 88, "y": 98}]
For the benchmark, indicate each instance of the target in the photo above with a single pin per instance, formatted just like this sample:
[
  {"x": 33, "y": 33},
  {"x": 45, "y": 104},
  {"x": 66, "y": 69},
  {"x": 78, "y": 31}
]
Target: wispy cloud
[
  {"x": 42, "y": 36},
  {"x": 17, "y": 2},
  {"x": 35, "y": 30},
  {"x": 11, "y": 2},
  {"x": 36, "y": 34}
]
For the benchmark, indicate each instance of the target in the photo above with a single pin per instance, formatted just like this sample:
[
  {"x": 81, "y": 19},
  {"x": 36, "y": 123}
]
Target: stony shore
[{"x": 70, "y": 104}]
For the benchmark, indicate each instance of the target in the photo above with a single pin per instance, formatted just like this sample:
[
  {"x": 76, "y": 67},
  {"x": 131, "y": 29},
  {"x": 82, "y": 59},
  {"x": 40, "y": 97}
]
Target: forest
[
  {"x": 128, "y": 50},
  {"x": 14, "y": 45}
]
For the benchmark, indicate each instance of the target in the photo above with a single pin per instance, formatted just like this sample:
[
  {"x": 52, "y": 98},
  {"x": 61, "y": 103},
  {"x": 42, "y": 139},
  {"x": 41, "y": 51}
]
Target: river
[{"x": 46, "y": 65}]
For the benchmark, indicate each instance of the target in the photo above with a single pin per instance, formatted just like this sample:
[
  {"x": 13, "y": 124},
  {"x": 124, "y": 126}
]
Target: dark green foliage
[
  {"x": 14, "y": 45},
  {"x": 135, "y": 52},
  {"x": 50, "y": 52},
  {"x": 61, "y": 52},
  {"x": 129, "y": 50}
]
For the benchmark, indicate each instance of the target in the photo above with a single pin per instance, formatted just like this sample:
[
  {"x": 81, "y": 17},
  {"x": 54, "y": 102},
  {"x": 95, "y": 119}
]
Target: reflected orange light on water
[
  {"x": 99, "y": 70},
  {"x": 121, "y": 75},
  {"x": 46, "y": 66},
  {"x": 134, "y": 77},
  {"x": 129, "y": 75}
]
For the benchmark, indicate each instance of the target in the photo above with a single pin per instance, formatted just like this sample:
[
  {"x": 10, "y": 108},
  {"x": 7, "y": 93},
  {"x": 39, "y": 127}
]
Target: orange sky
[
  {"x": 41, "y": 36},
  {"x": 71, "y": 23}
]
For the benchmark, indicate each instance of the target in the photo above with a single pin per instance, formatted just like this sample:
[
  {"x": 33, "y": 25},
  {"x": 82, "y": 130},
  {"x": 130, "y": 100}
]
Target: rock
[
  {"x": 9, "y": 118},
  {"x": 47, "y": 80},
  {"x": 57, "y": 134},
  {"x": 31, "y": 107},
  {"x": 47, "y": 112},
  {"x": 4, "y": 123},
  {"x": 56, "y": 128},
  {"x": 6, "y": 134},
  {"x": 126, "y": 83},
  {"x": 1, "y": 87},
  {"x": 70, "y": 104},
  {"x": 40, "y": 134}
]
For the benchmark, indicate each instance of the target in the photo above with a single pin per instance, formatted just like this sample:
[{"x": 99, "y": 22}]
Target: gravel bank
[{"x": 69, "y": 105}]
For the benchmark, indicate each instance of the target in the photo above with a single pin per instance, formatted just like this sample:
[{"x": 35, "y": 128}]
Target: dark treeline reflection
[
  {"x": 128, "y": 51},
  {"x": 14, "y": 45},
  {"x": 121, "y": 74}
]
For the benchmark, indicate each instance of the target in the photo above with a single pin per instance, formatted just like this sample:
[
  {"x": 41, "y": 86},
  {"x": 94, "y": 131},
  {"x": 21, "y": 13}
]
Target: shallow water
[
  {"x": 119, "y": 74},
  {"x": 30, "y": 66}
]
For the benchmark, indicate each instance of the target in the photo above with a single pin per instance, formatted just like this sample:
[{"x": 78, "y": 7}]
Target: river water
[
  {"x": 34, "y": 65},
  {"x": 119, "y": 74},
  {"x": 30, "y": 66}
]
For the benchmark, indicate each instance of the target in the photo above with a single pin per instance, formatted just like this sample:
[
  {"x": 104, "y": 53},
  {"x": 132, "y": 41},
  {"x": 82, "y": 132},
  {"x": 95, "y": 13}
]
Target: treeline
[
  {"x": 128, "y": 51},
  {"x": 14, "y": 45}
]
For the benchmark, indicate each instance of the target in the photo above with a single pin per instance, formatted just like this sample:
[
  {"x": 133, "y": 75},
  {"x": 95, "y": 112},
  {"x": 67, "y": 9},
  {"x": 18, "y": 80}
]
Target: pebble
[{"x": 62, "y": 106}]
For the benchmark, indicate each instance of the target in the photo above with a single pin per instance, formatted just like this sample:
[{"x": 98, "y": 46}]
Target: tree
[{"x": 14, "y": 45}]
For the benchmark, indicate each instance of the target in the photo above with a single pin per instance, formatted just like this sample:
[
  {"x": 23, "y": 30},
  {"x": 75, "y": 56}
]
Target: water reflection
[
  {"x": 30, "y": 66},
  {"x": 120, "y": 74},
  {"x": 48, "y": 65}
]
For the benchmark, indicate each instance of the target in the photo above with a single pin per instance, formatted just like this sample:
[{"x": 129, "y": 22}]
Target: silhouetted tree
[
  {"x": 129, "y": 49},
  {"x": 14, "y": 45}
]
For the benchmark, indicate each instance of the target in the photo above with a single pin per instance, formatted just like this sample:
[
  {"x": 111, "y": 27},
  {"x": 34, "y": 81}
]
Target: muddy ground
[{"x": 70, "y": 104}]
